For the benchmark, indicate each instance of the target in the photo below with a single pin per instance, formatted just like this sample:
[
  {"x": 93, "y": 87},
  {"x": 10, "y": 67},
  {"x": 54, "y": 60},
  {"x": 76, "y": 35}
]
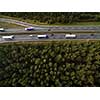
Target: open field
[{"x": 9, "y": 25}]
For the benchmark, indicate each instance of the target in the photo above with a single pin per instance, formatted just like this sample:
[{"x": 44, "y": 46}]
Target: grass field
[
  {"x": 51, "y": 42},
  {"x": 9, "y": 25},
  {"x": 73, "y": 24}
]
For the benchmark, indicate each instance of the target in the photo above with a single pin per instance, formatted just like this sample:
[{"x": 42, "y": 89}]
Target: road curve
[{"x": 45, "y": 28}]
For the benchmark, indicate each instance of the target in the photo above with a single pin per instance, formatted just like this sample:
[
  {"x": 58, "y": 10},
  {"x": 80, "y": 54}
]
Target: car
[
  {"x": 2, "y": 29},
  {"x": 52, "y": 34},
  {"x": 31, "y": 35},
  {"x": 49, "y": 29},
  {"x": 29, "y": 29},
  {"x": 92, "y": 34}
]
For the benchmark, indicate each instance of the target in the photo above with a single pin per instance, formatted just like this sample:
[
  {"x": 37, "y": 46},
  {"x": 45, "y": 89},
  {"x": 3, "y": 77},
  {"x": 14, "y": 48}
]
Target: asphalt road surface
[
  {"x": 50, "y": 37},
  {"x": 60, "y": 36},
  {"x": 46, "y": 28},
  {"x": 67, "y": 29}
]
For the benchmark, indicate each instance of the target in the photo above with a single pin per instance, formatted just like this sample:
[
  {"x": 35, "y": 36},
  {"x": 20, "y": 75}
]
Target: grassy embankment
[{"x": 9, "y": 25}]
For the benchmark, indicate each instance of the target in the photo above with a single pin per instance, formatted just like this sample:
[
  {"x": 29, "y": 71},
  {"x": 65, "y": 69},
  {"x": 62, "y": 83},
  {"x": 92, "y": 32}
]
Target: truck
[
  {"x": 11, "y": 37},
  {"x": 42, "y": 36},
  {"x": 70, "y": 36}
]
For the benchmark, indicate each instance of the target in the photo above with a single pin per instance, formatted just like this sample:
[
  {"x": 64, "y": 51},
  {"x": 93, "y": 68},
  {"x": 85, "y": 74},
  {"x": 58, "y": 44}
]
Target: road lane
[{"x": 50, "y": 37}]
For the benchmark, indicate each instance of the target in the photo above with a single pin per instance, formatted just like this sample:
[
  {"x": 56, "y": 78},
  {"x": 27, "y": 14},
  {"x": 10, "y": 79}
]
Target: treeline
[
  {"x": 56, "y": 17},
  {"x": 54, "y": 64}
]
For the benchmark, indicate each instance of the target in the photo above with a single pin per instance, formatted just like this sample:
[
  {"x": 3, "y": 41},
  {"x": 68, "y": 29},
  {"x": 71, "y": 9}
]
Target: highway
[
  {"x": 67, "y": 29},
  {"x": 18, "y": 38},
  {"x": 45, "y": 28}
]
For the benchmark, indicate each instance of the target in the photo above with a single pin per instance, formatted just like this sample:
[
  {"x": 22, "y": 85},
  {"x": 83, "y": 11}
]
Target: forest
[
  {"x": 56, "y": 17},
  {"x": 61, "y": 64}
]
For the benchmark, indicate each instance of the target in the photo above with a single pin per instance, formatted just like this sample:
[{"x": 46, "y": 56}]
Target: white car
[
  {"x": 2, "y": 29},
  {"x": 31, "y": 35},
  {"x": 29, "y": 29}
]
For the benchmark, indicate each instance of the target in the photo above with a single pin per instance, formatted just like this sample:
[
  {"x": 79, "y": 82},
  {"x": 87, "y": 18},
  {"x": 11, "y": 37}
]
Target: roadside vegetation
[
  {"x": 56, "y": 18},
  {"x": 70, "y": 63}
]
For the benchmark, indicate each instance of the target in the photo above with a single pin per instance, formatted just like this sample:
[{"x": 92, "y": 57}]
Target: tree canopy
[
  {"x": 53, "y": 64},
  {"x": 56, "y": 17}
]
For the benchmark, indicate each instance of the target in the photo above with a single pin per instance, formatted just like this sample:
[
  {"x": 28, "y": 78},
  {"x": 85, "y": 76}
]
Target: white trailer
[
  {"x": 2, "y": 29},
  {"x": 70, "y": 36},
  {"x": 11, "y": 37},
  {"x": 42, "y": 36}
]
